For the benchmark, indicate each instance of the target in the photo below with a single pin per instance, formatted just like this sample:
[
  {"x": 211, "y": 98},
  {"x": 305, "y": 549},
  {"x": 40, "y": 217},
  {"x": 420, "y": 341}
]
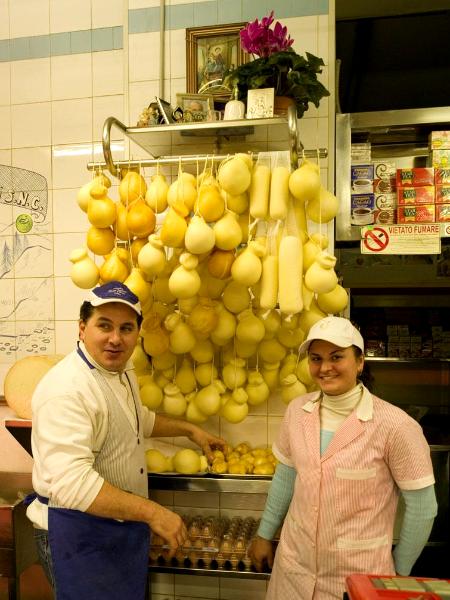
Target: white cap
[
  {"x": 336, "y": 330},
  {"x": 114, "y": 291}
]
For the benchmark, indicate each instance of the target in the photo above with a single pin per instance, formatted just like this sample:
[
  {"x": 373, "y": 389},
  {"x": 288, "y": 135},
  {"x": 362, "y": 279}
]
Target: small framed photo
[
  {"x": 166, "y": 111},
  {"x": 195, "y": 107},
  {"x": 260, "y": 103}
]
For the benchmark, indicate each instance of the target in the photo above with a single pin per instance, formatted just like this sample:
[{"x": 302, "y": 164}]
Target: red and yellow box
[
  {"x": 442, "y": 194},
  {"x": 415, "y": 177},
  {"x": 443, "y": 213},
  {"x": 441, "y": 176},
  {"x": 416, "y": 195},
  {"x": 416, "y": 213}
]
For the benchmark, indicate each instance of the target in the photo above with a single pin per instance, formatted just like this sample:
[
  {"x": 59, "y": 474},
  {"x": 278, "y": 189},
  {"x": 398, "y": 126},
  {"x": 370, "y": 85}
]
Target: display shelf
[
  {"x": 214, "y": 137},
  {"x": 210, "y": 483},
  {"x": 20, "y": 429},
  {"x": 209, "y": 572}
]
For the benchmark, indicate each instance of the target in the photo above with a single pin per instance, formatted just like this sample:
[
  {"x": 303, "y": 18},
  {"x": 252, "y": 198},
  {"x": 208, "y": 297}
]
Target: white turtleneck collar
[{"x": 335, "y": 409}]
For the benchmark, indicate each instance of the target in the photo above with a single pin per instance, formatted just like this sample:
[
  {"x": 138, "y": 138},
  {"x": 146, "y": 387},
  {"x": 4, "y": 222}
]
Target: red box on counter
[
  {"x": 415, "y": 177},
  {"x": 416, "y": 213},
  {"x": 390, "y": 587},
  {"x": 443, "y": 213},
  {"x": 441, "y": 176},
  {"x": 442, "y": 194},
  {"x": 416, "y": 195}
]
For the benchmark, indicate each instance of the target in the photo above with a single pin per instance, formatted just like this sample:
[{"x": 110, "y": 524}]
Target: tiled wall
[{"x": 64, "y": 67}]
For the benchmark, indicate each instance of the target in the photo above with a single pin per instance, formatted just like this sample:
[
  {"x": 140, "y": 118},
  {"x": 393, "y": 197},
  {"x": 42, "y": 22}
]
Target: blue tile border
[
  {"x": 146, "y": 20},
  {"x": 61, "y": 44}
]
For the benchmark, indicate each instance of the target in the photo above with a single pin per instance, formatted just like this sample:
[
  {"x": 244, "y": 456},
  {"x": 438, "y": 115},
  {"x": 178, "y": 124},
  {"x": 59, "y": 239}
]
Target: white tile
[
  {"x": 252, "y": 430},
  {"x": 34, "y": 299},
  {"x": 5, "y": 156},
  {"x": 31, "y": 124},
  {"x": 67, "y": 215},
  {"x": 107, "y": 72},
  {"x": 141, "y": 94},
  {"x": 35, "y": 337},
  {"x": 5, "y": 127},
  {"x": 71, "y": 76},
  {"x": 143, "y": 56},
  {"x": 30, "y": 80},
  {"x": 29, "y": 17},
  {"x": 36, "y": 159},
  {"x": 197, "y": 587},
  {"x": 304, "y": 32},
  {"x": 70, "y": 171},
  {"x": 5, "y": 78},
  {"x": 66, "y": 336},
  {"x": 177, "y": 53},
  {"x": 66, "y": 15},
  {"x": 273, "y": 425},
  {"x": 4, "y": 20},
  {"x": 308, "y": 132},
  {"x": 324, "y": 35},
  {"x": 242, "y": 589},
  {"x": 68, "y": 299},
  {"x": 7, "y": 246},
  {"x": 133, "y": 4},
  {"x": 108, "y": 13},
  {"x": 72, "y": 121},
  {"x": 104, "y": 107},
  {"x": 7, "y": 304},
  {"x": 177, "y": 86},
  {"x": 34, "y": 256},
  {"x": 275, "y": 404},
  {"x": 64, "y": 244}
]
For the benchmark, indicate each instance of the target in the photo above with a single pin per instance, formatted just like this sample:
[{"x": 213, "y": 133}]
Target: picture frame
[
  {"x": 211, "y": 53},
  {"x": 260, "y": 103},
  {"x": 195, "y": 107},
  {"x": 165, "y": 109}
]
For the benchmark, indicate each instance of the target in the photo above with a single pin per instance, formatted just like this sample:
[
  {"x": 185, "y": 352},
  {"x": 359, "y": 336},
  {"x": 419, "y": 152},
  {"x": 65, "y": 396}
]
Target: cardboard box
[
  {"x": 386, "y": 216},
  {"x": 440, "y": 159},
  {"x": 362, "y": 209},
  {"x": 416, "y": 195},
  {"x": 443, "y": 213},
  {"x": 442, "y": 194},
  {"x": 441, "y": 176},
  {"x": 384, "y": 177},
  {"x": 439, "y": 139},
  {"x": 416, "y": 213},
  {"x": 415, "y": 177},
  {"x": 386, "y": 201},
  {"x": 361, "y": 152}
]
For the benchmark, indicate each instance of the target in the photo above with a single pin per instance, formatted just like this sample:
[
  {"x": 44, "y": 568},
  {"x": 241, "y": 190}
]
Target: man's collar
[{"x": 128, "y": 367}]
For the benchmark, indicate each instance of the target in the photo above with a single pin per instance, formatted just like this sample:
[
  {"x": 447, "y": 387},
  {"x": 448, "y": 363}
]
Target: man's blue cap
[{"x": 114, "y": 291}]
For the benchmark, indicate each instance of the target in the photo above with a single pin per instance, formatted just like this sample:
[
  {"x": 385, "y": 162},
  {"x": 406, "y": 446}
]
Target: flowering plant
[{"x": 277, "y": 65}]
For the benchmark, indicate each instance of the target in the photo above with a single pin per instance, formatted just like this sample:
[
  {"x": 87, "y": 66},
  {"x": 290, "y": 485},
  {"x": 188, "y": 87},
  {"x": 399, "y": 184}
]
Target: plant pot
[{"x": 281, "y": 105}]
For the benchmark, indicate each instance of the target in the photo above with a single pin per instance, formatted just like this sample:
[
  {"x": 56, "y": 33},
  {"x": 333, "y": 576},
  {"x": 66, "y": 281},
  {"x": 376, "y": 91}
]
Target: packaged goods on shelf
[
  {"x": 415, "y": 177},
  {"x": 439, "y": 140},
  {"x": 386, "y": 216},
  {"x": 416, "y": 213},
  {"x": 441, "y": 176},
  {"x": 384, "y": 180},
  {"x": 423, "y": 194},
  {"x": 361, "y": 152},
  {"x": 440, "y": 159},
  {"x": 442, "y": 194},
  {"x": 442, "y": 213},
  {"x": 362, "y": 208}
]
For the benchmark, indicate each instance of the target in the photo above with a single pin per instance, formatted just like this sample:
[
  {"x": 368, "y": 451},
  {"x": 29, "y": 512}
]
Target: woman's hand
[
  {"x": 261, "y": 553},
  {"x": 207, "y": 442}
]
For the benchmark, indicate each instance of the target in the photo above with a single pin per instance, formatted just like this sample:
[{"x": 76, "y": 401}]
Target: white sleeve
[
  {"x": 148, "y": 421},
  {"x": 65, "y": 439}
]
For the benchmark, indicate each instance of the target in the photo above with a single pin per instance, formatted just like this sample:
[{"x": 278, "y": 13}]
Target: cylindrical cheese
[
  {"x": 290, "y": 268},
  {"x": 259, "y": 192}
]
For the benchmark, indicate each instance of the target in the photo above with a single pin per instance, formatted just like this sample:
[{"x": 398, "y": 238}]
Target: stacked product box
[
  {"x": 416, "y": 195},
  {"x": 439, "y": 143},
  {"x": 384, "y": 189},
  {"x": 362, "y": 196}
]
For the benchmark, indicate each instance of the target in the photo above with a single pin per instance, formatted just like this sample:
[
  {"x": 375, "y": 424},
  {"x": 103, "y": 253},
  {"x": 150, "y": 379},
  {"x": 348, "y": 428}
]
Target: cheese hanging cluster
[{"x": 229, "y": 279}]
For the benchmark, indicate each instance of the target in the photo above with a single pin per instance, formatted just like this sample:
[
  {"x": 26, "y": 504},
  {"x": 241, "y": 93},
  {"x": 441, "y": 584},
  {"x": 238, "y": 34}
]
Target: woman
[{"x": 345, "y": 455}]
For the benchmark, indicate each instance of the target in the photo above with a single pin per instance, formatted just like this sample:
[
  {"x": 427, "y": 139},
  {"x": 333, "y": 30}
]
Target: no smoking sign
[{"x": 376, "y": 239}]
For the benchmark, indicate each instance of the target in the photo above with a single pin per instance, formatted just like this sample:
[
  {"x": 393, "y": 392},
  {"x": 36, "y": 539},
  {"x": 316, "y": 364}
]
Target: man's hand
[
  {"x": 207, "y": 442},
  {"x": 170, "y": 527},
  {"x": 261, "y": 554}
]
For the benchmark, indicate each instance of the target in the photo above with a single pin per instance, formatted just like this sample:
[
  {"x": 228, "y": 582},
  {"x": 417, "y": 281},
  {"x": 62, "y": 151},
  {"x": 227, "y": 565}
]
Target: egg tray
[{"x": 213, "y": 542}]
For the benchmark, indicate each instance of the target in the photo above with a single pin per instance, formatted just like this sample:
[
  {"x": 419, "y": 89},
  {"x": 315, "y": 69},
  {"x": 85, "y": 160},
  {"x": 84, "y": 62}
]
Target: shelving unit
[{"x": 214, "y": 138}]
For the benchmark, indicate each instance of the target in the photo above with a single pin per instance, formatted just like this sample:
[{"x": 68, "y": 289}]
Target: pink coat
[{"x": 342, "y": 514}]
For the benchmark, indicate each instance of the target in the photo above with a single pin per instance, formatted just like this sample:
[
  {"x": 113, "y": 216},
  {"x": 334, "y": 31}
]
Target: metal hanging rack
[{"x": 218, "y": 130}]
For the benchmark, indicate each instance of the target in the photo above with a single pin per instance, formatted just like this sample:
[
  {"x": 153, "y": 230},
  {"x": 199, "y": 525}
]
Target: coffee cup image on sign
[
  {"x": 362, "y": 215},
  {"x": 362, "y": 185}
]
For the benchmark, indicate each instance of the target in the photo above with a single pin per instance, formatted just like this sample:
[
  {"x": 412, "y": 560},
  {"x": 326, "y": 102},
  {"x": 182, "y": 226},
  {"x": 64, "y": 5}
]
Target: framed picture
[
  {"x": 260, "y": 103},
  {"x": 195, "y": 107},
  {"x": 165, "y": 110},
  {"x": 211, "y": 53}
]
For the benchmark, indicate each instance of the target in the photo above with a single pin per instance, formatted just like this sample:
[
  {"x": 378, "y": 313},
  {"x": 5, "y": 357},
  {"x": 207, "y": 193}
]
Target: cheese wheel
[{"x": 21, "y": 381}]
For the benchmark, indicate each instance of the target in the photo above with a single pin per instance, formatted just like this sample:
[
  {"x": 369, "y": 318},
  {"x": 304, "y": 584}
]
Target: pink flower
[{"x": 257, "y": 37}]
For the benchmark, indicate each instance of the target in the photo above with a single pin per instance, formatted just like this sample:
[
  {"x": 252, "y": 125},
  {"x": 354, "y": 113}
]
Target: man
[{"x": 91, "y": 514}]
